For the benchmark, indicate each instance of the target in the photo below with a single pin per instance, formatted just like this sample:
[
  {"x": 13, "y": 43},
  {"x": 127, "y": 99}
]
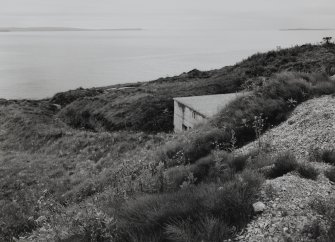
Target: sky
[{"x": 169, "y": 14}]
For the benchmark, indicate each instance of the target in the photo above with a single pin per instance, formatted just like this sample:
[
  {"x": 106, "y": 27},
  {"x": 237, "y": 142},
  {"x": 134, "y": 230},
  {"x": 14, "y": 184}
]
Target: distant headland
[
  {"x": 307, "y": 29},
  {"x": 54, "y": 29}
]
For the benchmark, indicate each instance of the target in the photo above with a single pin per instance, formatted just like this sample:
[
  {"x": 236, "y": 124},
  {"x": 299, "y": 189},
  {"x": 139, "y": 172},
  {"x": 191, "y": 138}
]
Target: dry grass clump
[
  {"x": 222, "y": 205},
  {"x": 284, "y": 163},
  {"x": 307, "y": 171},
  {"x": 328, "y": 156},
  {"x": 330, "y": 174}
]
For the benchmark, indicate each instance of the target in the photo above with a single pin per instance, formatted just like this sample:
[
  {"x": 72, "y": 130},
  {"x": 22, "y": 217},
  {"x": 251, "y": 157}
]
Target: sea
[{"x": 36, "y": 65}]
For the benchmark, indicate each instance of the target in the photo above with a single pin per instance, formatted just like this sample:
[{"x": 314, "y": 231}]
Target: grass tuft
[
  {"x": 225, "y": 206},
  {"x": 284, "y": 163},
  {"x": 328, "y": 156},
  {"x": 307, "y": 171},
  {"x": 330, "y": 174}
]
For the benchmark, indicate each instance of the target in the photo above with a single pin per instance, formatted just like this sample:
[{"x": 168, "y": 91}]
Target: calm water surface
[{"x": 39, "y": 64}]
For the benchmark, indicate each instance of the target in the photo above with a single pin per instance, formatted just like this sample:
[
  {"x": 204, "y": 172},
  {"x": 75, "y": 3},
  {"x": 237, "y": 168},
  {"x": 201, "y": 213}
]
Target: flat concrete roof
[{"x": 209, "y": 105}]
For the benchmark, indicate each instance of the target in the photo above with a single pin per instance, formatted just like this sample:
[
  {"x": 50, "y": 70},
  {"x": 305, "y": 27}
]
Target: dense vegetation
[
  {"x": 78, "y": 182},
  {"x": 246, "y": 118}
]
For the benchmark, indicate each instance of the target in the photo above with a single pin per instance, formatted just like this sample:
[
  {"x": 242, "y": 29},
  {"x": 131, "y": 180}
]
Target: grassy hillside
[
  {"x": 78, "y": 182},
  {"x": 148, "y": 106},
  {"x": 40, "y": 155}
]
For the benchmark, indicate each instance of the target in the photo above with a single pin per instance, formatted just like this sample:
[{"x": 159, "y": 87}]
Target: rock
[
  {"x": 55, "y": 107},
  {"x": 41, "y": 219},
  {"x": 259, "y": 207}
]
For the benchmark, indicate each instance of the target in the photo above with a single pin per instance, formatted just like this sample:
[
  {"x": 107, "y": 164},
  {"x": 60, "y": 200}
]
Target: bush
[
  {"x": 307, "y": 171},
  {"x": 328, "y": 156},
  {"x": 236, "y": 163},
  {"x": 330, "y": 174},
  {"x": 314, "y": 230},
  {"x": 200, "y": 145},
  {"x": 174, "y": 177},
  {"x": 195, "y": 151},
  {"x": 17, "y": 217},
  {"x": 284, "y": 163},
  {"x": 171, "y": 154},
  {"x": 65, "y": 98},
  {"x": 163, "y": 216},
  {"x": 202, "y": 167},
  {"x": 260, "y": 161}
]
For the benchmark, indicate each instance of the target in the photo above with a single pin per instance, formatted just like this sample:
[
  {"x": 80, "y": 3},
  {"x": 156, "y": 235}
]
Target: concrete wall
[{"x": 185, "y": 118}]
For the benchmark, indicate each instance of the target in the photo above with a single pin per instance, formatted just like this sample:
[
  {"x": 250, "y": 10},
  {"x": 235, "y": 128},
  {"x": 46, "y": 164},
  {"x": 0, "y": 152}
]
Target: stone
[
  {"x": 41, "y": 219},
  {"x": 55, "y": 107},
  {"x": 259, "y": 207}
]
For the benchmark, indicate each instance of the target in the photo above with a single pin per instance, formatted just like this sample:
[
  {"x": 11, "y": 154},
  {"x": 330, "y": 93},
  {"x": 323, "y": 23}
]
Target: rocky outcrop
[
  {"x": 288, "y": 199},
  {"x": 289, "y": 213},
  {"x": 311, "y": 125}
]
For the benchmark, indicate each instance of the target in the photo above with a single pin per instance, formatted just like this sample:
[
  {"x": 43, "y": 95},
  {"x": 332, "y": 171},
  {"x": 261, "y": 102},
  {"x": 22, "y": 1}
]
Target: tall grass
[{"x": 210, "y": 207}]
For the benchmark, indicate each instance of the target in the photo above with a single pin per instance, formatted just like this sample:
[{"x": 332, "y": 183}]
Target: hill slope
[
  {"x": 128, "y": 185},
  {"x": 311, "y": 125},
  {"x": 148, "y": 106},
  {"x": 289, "y": 199}
]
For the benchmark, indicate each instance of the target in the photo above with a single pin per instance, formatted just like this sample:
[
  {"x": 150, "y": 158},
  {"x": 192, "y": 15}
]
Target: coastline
[{"x": 62, "y": 29}]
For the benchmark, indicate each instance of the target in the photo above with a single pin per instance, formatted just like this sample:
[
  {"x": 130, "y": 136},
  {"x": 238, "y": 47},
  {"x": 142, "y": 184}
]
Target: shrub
[
  {"x": 14, "y": 222},
  {"x": 65, "y": 98},
  {"x": 330, "y": 174},
  {"x": 238, "y": 163},
  {"x": 307, "y": 171},
  {"x": 202, "y": 167},
  {"x": 328, "y": 156},
  {"x": 314, "y": 229},
  {"x": 284, "y": 163},
  {"x": 174, "y": 177},
  {"x": 205, "y": 229},
  {"x": 171, "y": 154},
  {"x": 155, "y": 216},
  {"x": 260, "y": 161},
  {"x": 195, "y": 151},
  {"x": 17, "y": 217}
]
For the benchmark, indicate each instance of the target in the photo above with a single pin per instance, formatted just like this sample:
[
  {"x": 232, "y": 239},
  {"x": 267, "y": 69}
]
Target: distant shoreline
[
  {"x": 61, "y": 29},
  {"x": 307, "y": 29}
]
